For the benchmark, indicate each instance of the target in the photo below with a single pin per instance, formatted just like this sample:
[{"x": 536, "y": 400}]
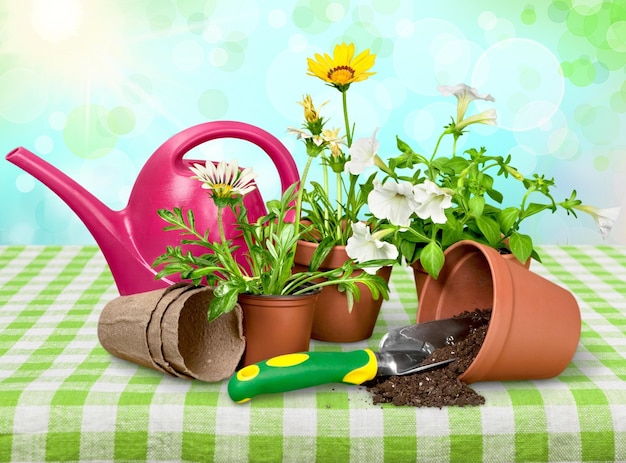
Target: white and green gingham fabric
[{"x": 64, "y": 398}]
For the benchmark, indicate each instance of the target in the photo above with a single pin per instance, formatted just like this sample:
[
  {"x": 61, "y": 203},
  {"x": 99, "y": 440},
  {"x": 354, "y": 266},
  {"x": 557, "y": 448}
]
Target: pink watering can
[{"x": 132, "y": 238}]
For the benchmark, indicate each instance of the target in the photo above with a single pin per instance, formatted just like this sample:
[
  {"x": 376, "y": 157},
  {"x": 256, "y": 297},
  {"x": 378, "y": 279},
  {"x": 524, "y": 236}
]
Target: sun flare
[{"x": 56, "y": 21}]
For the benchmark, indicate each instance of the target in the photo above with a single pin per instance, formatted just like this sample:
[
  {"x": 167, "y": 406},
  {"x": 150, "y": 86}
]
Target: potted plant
[
  {"x": 428, "y": 202},
  {"x": 333, "y": 209},
  {"x": 267, "y": 288}
]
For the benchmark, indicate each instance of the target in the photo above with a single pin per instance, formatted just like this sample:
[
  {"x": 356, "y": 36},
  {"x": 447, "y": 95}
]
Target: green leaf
[
  {"x": 521, "y": 246},
  {"x": 535, "y": 208},
  {"x": 495, "y": 195},
  {"x": 489, "y": 228},
  {"x": 476, "y": 205},
  {"x": 407, "y": 249},
  {"x": 507, "y": 218},
  {"x": 432, "y": 258},
  {"x": 451, "y": 233},
  {"x": 457, "y": 164},
  {"x": 323, "y": 249},
  {"x": 190, "y": 219}
]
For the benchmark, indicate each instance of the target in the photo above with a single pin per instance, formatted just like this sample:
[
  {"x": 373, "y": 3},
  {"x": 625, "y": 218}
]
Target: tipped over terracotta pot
[{"x": 535, "y": 323}]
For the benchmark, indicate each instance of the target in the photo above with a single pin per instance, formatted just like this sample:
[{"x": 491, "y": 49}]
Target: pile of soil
[{"x": 439, "y": 387}]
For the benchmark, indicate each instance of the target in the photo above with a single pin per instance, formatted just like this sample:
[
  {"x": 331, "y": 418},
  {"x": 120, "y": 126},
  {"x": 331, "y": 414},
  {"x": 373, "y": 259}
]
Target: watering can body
[{"x": 132, "y": 238}]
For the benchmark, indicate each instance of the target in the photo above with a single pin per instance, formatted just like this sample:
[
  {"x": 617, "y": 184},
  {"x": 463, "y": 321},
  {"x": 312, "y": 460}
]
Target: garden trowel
[{"x": 401, "y": 352}]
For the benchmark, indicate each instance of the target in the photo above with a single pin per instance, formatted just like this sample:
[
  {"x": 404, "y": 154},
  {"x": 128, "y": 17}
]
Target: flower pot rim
[
  {"x": 311, "y": 292},
  {"x": 314, "y": 244}
]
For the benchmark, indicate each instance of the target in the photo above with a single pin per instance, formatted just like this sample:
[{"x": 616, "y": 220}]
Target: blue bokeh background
[{"x": 94, "y": 87}]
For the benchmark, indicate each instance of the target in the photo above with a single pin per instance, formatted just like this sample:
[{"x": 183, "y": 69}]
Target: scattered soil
[{"x": 439, "y": 387}]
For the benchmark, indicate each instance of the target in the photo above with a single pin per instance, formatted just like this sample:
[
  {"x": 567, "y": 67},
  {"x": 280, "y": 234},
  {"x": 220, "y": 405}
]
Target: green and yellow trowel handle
[{"x": 297, "y": 371}]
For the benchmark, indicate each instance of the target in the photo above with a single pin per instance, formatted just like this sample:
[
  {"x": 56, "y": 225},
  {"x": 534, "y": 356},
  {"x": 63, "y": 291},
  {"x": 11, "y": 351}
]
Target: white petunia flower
[
  {"x": 486, "y": 117},
  {"x": 362, "y": 154},
  {"x": 604, "y": 218},
  {"x": 362, "y": 247},
  {"x": 431, "y": 201},
  {"x": 392, "y": 201},
  {"x": 465, "y": 94}
]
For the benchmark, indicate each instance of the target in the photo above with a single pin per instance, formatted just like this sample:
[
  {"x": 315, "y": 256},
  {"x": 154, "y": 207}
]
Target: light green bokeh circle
[
  {"x": 161, "y": 14},
  {"x": 581, "y": 72},
  {"x": 233, "y": 57},
  {"x": 587, "y": 7},
  {"x": 528, "y": 15},
  {"x": 121, "y": 120},
  {"x": 616, "y": 36},
  {"x": 310, "y": 16},
  {"x": 86, "y": 133},
  {"x": 581, "y": 25},
  {"x": 618, "y": 100},
  {"x": 213, "y": 104},
  {"x": 613, "y": 60},
  {"x": 335, "y": 12},
  {"x": 558, "y": 11},
  {"x": 188, "y": 8},
  {"x": 196, "y": 23},
  {"x": 386, "y": 6},
  {"x": 601, "y": 163}
]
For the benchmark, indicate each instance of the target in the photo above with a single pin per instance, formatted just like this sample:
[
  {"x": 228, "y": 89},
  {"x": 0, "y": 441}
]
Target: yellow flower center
[
  {"x": 222, "y": 190},
  {"x": 341, "y": 74}
]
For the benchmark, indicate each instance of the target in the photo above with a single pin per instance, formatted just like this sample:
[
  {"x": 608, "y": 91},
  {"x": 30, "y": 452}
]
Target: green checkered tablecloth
[{"x": 64, "y": 398}]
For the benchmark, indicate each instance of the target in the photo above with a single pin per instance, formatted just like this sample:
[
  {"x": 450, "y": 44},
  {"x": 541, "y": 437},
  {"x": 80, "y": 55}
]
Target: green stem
[
  {"x": 344, "y": 99},
  {"x": 338, "y": 232},
  {"x": 437, "y": 146},
  {"x": 305, "y": 173},
  {"x": 326, "y": 185},
  {"x": 526, "y": 195},
  {"x": 234, "y": 267},
  {"x": 431, "y": 172}
]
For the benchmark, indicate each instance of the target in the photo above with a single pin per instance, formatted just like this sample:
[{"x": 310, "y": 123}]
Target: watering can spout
[{"x": 105, "y": 225}]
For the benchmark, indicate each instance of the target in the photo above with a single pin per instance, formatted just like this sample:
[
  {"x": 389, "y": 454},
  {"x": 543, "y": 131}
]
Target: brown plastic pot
[
  {"x": 535, "y": 324},
  {"x": 333, "y": 322},
  {"x": 276, "y": 325}
]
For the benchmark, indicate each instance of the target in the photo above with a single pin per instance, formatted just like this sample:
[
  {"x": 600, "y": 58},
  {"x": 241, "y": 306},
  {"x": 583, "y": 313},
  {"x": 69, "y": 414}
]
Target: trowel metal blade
[{"x": 426, "y": 336}]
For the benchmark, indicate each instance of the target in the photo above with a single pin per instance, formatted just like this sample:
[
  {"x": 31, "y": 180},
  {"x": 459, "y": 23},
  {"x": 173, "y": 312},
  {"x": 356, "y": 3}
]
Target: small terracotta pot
[
  {"x": 276, "y": 325},
  {"x": 535, "y": 324},
  {"x": 333, "y": 322}
]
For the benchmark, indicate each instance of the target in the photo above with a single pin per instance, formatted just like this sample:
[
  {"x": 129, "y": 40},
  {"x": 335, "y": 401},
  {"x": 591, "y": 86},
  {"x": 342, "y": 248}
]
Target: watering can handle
[{"x": 178, "y": 145}]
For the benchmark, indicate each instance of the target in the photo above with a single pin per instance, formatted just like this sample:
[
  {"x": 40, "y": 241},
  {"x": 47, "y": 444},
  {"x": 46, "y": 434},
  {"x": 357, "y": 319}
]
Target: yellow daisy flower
[{"x": 343, "y": 67}]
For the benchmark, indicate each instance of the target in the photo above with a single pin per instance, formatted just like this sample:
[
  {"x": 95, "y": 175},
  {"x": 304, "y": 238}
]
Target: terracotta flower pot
[
  {"x": 276, "y": 325},
  {"x": 420, "y": 274},
  {"x": 333, "y": 322},
  {"x": 535, "y": 324}
]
